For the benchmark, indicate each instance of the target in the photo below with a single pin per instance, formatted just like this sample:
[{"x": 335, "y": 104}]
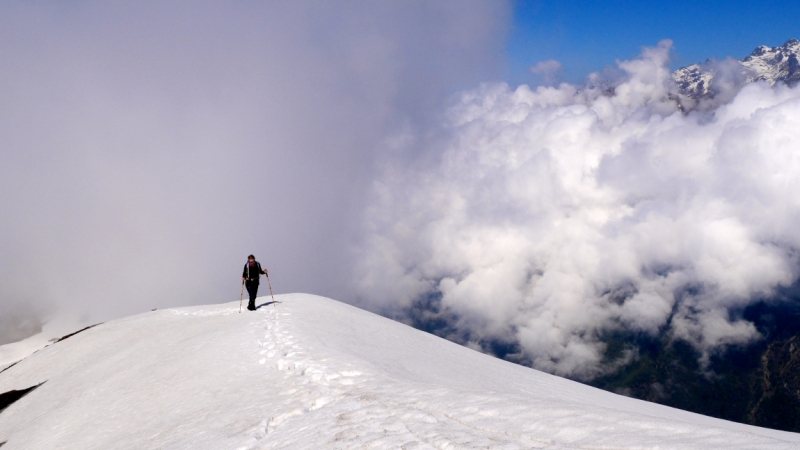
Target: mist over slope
[{"x": 541, "y": 220}]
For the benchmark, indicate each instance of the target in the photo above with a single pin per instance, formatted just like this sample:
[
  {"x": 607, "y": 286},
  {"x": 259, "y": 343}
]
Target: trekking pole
[
  {"x": 240, "y": 298},
  {"x": 270, "y": 292}
]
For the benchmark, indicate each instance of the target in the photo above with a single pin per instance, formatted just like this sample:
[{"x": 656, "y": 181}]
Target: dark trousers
[{"x": 252, "y": 290}]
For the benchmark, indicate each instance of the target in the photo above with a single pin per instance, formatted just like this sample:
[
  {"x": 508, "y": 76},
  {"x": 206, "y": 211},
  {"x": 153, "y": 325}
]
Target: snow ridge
[{"x": 315, "y": 373}]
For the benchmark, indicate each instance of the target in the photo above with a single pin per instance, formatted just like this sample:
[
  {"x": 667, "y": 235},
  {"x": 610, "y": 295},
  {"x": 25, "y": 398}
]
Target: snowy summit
[
  {"x": 770, "y": 64},
  {"x": 315, "y": 373}
]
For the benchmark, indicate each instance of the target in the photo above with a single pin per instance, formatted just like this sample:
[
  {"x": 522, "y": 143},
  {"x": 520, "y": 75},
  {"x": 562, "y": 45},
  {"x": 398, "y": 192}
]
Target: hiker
[{"x": 250, "y": 276}]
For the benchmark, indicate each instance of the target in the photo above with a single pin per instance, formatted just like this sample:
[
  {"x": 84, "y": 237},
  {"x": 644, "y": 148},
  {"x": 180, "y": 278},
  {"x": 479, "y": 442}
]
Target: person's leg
[{"x": 252, "y": 289}]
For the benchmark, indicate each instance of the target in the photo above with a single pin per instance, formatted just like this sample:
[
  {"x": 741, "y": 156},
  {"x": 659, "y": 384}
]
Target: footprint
[
  {"x": 277, "y": 420},
  {"x": 319, "y": 403},
  {"x": 332, "y": 376}
]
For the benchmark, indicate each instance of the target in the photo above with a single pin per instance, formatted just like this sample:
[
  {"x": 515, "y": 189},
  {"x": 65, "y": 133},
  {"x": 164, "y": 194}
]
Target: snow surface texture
[{"x": 316, "y": 373}]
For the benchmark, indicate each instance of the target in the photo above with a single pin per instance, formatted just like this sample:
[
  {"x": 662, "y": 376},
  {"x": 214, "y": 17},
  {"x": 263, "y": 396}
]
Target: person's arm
[
  {"x": 244, "y": 273},
  {"x": 264, "y": 271}
]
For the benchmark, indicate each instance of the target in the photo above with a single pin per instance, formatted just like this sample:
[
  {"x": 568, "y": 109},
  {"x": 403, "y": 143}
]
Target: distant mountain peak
[{"x": 771, "y": 64}]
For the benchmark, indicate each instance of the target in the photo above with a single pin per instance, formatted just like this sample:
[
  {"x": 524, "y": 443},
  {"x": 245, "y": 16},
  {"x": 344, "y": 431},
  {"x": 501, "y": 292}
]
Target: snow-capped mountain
[
  {"x": 770, "y": 64},
  {"x": 694, "y": 81},
  {"x": 313, "y": 373},
  {"x": 775, "y": 64}
]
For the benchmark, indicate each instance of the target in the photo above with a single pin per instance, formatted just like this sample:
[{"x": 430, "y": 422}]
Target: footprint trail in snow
[
  {"x": 344, "y": 378},
  {"x": 362, "y": 411},
  {"x": 333, "y": 404}
]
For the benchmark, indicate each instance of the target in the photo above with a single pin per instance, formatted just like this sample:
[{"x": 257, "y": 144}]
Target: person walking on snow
[{"x": 250, "y": 276}]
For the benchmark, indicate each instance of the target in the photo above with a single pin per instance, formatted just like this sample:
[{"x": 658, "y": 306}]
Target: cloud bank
[
  {"x": 549, "y": 217},
  {"x": 147, "y": 148}
]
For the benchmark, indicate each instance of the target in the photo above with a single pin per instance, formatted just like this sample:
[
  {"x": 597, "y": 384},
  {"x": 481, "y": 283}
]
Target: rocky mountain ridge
[{"x": 713, "y": 78}]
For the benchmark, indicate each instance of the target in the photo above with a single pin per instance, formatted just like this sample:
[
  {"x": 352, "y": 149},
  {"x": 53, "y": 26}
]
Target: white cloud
[
  {"x": 547, "y": 217},
  {"x": 550, "y": 70}
]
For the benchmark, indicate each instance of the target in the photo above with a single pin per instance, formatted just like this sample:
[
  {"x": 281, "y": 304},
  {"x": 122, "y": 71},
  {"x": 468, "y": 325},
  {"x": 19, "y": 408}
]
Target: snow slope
[
  {"x": 316, "y": 373},
  {"x": 51, "y": 332}
]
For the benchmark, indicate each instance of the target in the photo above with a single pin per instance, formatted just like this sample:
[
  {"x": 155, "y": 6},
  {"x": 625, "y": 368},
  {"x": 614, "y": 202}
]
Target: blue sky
[{"x": 585, "y": 36}]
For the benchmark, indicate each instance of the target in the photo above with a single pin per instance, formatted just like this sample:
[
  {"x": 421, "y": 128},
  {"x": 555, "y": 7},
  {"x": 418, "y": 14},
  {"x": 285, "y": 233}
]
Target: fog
[
  {"x": 363, "y": 151},
  {"x": 546, "y": 218},
  {"x": 148, "y": 148}
]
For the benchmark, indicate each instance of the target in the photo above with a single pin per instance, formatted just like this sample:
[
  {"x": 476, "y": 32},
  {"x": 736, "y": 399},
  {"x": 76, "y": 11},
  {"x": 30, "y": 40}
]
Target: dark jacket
[{"x": 252, "y": 273}]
